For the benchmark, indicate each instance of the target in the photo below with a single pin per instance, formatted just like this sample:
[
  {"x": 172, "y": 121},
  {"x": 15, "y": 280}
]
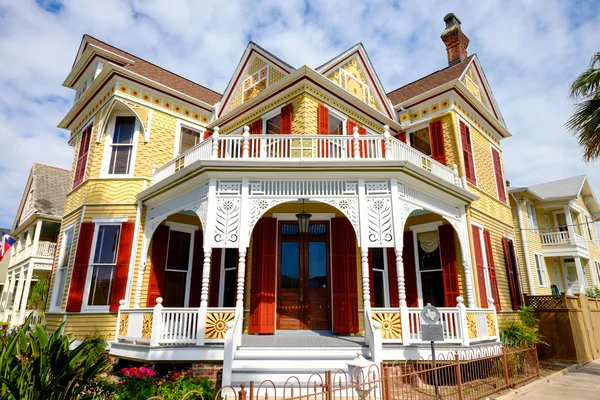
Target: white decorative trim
[
  {"x": 428, "y": 227},
  {"x": 116, "y": 220},
  {"x": 314, "y": 217},
  {"x": 227, "y": 221}
]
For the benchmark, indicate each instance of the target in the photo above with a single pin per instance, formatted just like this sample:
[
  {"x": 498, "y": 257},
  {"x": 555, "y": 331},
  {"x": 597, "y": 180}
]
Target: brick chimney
[{"x": 455, "y": 40}]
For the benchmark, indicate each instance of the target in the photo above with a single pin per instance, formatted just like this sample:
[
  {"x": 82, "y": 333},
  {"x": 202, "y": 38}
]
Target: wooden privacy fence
[
  {"x": 466, "y": 375},
  {"x": 570, "y": 325}
]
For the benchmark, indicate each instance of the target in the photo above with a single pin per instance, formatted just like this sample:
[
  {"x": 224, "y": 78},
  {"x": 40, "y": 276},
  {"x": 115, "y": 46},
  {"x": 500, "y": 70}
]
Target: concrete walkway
[{"x": 582, "y": 384}]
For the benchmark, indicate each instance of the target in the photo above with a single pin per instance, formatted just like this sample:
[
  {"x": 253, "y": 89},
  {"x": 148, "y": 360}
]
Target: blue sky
[{"x": 530, "y": 51}]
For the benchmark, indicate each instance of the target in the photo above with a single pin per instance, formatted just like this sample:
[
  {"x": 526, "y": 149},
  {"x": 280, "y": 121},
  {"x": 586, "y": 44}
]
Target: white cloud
[{"x": 530, "y": 54}]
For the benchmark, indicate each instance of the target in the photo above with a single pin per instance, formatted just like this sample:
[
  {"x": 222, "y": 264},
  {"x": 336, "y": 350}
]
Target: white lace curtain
[{"x": 428, "y": 241}]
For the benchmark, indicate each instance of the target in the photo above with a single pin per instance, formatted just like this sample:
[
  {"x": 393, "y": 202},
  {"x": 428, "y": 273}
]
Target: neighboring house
[
  {"x": 557, "y": 239},
  {"x": 36, "y": 229},
  {"x": 187, "y": 223}
]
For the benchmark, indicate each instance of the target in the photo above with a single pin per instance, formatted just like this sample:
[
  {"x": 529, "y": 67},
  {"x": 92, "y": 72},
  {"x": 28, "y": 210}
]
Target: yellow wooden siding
[
  {"x": 86, "y": 324},
  {"x": 450, "y": 139},
  {"x": 355, "y": 89},
  {"x": 109, "y": 190},
  {"x": 497, "y": 231},
  {"x": 519, "y": 249},
  {"x": 53, "y": 321},
  {"x": 159, "y": 150}
]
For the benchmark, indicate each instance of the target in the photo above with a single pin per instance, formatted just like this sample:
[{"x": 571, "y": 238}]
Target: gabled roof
[
  {"x": 429, "y": 82},
  {"x": 154, "y": 72},
  {"x": 564, "y": 189},
  {"x": 358, "y": 51},
  {"x": 252, "y": 50},
  {"x": 48, "y": 187}
]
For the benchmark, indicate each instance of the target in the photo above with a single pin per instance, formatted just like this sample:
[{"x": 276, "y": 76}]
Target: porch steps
[{"x": 256, "y": 362}]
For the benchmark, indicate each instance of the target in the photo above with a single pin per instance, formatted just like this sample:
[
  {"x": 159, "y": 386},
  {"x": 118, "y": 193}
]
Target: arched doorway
[{"x": 303, "y": 281}]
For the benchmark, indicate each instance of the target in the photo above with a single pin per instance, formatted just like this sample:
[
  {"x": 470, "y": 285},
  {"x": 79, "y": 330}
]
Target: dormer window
[
  {"x": 255, "y": 83},
  {"x": 88, "y": 79}
]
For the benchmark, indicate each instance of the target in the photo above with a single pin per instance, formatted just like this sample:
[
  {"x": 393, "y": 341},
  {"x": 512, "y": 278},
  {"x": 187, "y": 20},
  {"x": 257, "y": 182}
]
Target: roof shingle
[
  {"x": 161, "y": 75},
  {"x": 50, "y": 186}
]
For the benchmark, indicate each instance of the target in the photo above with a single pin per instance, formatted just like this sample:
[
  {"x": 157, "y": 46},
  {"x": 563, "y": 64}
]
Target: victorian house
[{"x": 302, "y": 215}]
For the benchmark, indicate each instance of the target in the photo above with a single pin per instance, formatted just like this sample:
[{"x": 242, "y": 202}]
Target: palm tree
[{"x": 585, "y": 122}]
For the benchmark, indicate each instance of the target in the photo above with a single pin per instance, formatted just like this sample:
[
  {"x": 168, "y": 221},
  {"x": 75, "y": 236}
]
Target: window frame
[
  {"x": 185, "y": 228},
  {"x": 384, "y": 270},
  {"x": 61, "y": 257},
  {"x": 532, "y": 222},
  {"x": 409, "y": 138},
  {"x": 416, "y": 229},
  {"x": 85, "y": 306},
  {"x": 222, "y": 271},
  {"x": 108, "y": 144},
  {"x": 187, "y": 125},
  {"x": 486, "y": 267},
  {"x": 540, "y": 269},
  {"x": 597, "y": 268}
]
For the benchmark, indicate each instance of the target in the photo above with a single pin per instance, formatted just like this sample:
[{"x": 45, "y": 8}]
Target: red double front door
[{"x": 303, "y": 281}]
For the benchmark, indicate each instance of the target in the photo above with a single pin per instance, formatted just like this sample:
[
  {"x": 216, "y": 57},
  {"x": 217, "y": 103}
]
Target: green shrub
[
  {"x": 39, "y": 295},
  {"x": 35, "y": 365},
  {"x": 524, "y": 331},
  {"x": 595, "y": 292}
]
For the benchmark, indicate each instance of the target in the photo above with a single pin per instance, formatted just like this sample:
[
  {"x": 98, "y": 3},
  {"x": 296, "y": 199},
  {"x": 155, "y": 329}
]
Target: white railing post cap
[
  {"x": 122, "y": 302},
  {"x": 159, "y": 300},
  {"x": 355, "y": 132},
  {"x": 216, "y": 130},
  {"x": 229, "y": 325},
  {"x": 246, "y": 131},
  {"x": 460, "y": 299},
  {"x": 376, "y": 325}
]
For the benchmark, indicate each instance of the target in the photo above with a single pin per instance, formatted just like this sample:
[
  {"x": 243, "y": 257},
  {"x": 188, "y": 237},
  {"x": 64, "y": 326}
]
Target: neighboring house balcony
[
  {"x": 324, "y": 150},
  {"x": 44, "y": 251},
  {"x": 565, "y": 244}
]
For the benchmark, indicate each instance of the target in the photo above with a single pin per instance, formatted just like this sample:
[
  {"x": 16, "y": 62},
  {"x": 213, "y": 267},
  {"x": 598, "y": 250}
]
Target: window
[
  {"x": 274, "y": 125},
  {"x": 228, "y": 284},
  {"x": 548, "y": 225},
  {"x": 63, "y": 265},
  {"x": 255, "y": 83},
  {"x": 84, "y": 146},
  {"x": 121, "y": 151},
  {"x": 189, "y": 139},
  {"x": 467, "y": 149},
  {"x": 597, "y": 264},
  {"x": 380, "y": 278},
  {"x": 178, "y": 266},
  {"x": 104, "y": 260},
  {"x": 430, "y": 268},
  {"x": 336, "y": 126},
  {"x": 576, "y": 222},
  {"x": 540, "y": 268},
  {"x": 531, "y": 217},
  {"x": 561, "y": 222},
  {"x": 590, "y": 230},
  {"x": 421, "y": 141}
]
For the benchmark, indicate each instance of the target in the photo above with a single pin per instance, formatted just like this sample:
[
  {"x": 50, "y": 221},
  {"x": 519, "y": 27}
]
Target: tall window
[
  {"x": 227, "y": 289},
  {"x": 274, "y": 125},
  {"x": 122, "y": 146},
  {"x": 540, "y": 268},
  {"x": 561, "y": 220},
  {"x": 590, "y": 229},
  {"x": 380, "y": 278},
  {"x": 421, "y": 141},
  {"x": 103, "y": 264},
  {"x": 189, "y": 139},
  {"x": 336, "y": 126},
  {"x": 430, "y": 268},
  {"x": 61, "y": 271},
  {"x": 576, "y": 222},
  {"x": 178, "y": 265},
  {"x": 531, "y": 217}
]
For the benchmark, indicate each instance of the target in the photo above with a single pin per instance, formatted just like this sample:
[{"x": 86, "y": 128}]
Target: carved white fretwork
[
  {"x": 302, "y": 189},
  {"x": 427, "y": 201},
  {"x": 403, "y": 213},
  {"x": 258, "y": 207},
  {"x": 229, "y": 187},
  {"x": 349, "y": 207},
  {"x": 227, "y": 226},
  {"x": 382, "y": 187},
  {"x": 379, "y": 220}
]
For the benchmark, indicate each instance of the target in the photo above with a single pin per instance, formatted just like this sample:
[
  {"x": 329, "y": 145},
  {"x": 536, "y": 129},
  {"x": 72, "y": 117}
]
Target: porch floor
[{"x": 310, "y": 340}]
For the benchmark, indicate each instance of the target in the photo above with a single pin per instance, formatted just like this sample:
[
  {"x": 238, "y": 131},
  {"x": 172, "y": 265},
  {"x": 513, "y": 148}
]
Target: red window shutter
[
  {"x": 449, "y": 268},
  {"x": 410, "y": 270},
  {"x": 344, "y": 286},
  {"x": 262, "y": 287},
  {"x": 499, "y": 176},
  {"x": 436, "y": 135},
  {"x": 206, "y": 135},
  {"x": 197, "y": 265},
  {"x": 465, "y": 135},
  {"x": 401, "y": 137},
  {"x": 479, "y": 266},
  {"x": 392, "y": 277},
  {"x": 256, "y": 128},
  {"x": 82, "y": 157},
  {"x": 322, "y": 120},
  {"x": 119, "y": 286},
  {"x": 512, "y": 277},
  {"x": 160, "y": 247},
  {"x": 80, "y": 267},
  {"x": 285, "y": 124},
  {"x": 215, "y": 277},
  {"x": 492, "y": 269}
]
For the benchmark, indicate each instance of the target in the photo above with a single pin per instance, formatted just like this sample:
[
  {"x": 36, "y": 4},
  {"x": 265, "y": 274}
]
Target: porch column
[
  {"x": 7, "y": 295},
  {"x": 570, "y": 226},
  {"x": 463, "y": 230},
  {"x": 204, "y": 297},
  {"x": 404, "y": 321},
  {"x": 364, "y": 262},
  {"x": 25, "y": 296},
  {"x": 17, "y": 299},
  {"x": 239, "y": 304},
  {"x": 580, "y": 275}
]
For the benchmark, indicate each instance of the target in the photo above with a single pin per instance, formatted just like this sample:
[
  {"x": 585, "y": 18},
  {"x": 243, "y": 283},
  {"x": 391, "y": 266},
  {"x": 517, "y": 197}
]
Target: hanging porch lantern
[{"x": 303, "y": 220}]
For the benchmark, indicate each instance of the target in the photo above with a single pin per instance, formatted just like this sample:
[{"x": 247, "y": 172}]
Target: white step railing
[
  {"x": 296, "y": 148},
  {"x": 162, "y": 326},
  {"x": 556, "y": 238}
]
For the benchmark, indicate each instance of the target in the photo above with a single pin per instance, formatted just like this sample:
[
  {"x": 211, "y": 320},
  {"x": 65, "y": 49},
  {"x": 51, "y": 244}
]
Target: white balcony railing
[
  {"x": 554, "y": 238},
  {"x": 298, "y": 148},
  {"x": 44, "y": 250}
]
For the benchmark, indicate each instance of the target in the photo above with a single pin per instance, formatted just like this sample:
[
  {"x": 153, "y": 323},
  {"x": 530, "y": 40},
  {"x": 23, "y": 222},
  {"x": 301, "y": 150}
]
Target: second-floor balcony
[
  {"x": 563, "y": 241},
  {"x": 298, "y": 148},
  {"x": 43, "y": 250}
]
